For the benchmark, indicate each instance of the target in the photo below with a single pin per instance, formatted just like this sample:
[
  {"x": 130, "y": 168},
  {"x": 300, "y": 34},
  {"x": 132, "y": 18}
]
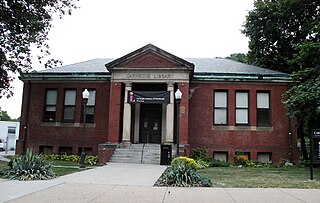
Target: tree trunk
[{"x": 303, "y": 142}]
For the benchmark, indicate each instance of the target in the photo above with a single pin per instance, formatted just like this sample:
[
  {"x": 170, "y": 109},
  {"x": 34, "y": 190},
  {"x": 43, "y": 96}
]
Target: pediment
[
  {"x": 149, "y": 56},
  {"x": 149, "y": 60}
]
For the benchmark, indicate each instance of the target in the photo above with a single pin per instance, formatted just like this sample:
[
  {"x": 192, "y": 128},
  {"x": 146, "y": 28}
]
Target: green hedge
[{"x": 90, "y": 160}]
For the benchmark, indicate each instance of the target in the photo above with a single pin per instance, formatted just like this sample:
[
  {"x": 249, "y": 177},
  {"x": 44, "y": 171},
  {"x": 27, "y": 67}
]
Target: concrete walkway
[{"x": 133, "y": 183}]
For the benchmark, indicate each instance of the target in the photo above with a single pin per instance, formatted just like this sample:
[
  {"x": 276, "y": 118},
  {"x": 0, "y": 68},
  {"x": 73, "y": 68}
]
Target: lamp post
[
  {"x": 85, "y": 97},
  {"x": 178, "y": 95}
]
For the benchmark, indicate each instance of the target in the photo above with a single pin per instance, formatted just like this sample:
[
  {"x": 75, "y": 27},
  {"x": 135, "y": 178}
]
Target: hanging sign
[{"x": 149, "y": 97}]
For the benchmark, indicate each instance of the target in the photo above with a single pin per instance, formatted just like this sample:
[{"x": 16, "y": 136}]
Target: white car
[{"x": 1, "y": 145}]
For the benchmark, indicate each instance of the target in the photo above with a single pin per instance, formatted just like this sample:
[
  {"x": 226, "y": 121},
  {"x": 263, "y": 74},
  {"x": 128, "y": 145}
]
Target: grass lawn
[
  {"x": 246, "y": 177},
  {"x": 61, "y": 168}
]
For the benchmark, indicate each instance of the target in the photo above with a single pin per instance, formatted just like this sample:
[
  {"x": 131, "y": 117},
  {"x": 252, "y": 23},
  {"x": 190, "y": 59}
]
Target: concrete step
[{"x": 133, "y": 154}]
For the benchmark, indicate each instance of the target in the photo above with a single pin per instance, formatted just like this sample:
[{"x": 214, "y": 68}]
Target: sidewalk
[{"x": 133, "y": 183}]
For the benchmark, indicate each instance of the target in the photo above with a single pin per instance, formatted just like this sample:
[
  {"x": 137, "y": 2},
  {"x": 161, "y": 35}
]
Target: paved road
[{"x": 133, "y": 183}]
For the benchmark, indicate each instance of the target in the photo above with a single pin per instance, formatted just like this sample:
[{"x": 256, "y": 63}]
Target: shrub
[
  {"x": 219, "y": 163},
  {"x": 241, "y": 160},
  {"x": 199, "y": 153},
  {"x": 184, "y": 163},
  {"x": 203, "y": 163},
  {"x": 182, "y": 177},
  {"x": 29, "y": 167},
  {"x": 90, "y": 160}
]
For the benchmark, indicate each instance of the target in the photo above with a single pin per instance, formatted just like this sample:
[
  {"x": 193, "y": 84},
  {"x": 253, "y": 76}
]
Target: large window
[
  {"x": 220, "y": 107},
  {"x": 69, "y": 105},
  {"x": 90, "y": 106},
  {"x": 242, "y": 108},
  {"x": 50, "y": 106},
  {"x": 263, "y": 109}
]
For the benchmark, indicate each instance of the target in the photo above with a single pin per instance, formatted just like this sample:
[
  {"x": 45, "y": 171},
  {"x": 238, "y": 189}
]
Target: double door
[{"x": 150, "y": 123}]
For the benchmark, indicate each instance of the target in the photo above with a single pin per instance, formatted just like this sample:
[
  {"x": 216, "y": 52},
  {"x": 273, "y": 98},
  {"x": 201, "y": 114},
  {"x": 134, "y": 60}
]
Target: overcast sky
[{"x": 113, "y": 28}]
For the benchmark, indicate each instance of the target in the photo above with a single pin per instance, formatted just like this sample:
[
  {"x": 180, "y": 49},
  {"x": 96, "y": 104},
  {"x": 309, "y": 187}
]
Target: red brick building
[{"x": 226, "y": 107}]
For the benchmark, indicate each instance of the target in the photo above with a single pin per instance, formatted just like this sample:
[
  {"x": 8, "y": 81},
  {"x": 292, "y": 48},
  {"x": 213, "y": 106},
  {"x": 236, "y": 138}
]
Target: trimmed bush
[
  {"x": 185, "y": 163},
  {"x": 29, "y": 167}
]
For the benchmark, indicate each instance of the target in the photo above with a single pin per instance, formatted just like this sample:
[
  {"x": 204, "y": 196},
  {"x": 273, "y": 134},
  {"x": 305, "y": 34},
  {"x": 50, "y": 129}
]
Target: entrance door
[{"x": 150, "y": 123}]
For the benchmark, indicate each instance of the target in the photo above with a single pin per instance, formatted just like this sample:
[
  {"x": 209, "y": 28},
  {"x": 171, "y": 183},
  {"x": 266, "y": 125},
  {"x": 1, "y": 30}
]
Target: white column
[
  {"x": 170, "y": 115},
  {"x": 137, "y": 123},
  {"x": 126, "y": 116}
]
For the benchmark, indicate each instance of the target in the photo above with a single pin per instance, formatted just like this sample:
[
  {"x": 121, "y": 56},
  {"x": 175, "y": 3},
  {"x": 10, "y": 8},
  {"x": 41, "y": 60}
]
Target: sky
[{"x": 113, "y": 28}]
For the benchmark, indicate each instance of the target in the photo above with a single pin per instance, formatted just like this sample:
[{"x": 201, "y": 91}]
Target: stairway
[{"x": 137, "y": 153}]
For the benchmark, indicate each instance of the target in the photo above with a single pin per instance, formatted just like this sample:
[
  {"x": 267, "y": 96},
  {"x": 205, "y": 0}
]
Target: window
[
  {"x": 264, "y": 157},
  {"x": 46, "y": 149},
  {"x": 65, "y": 150},
  {"x": 50, "y": 107},
  {"x": 222, "y": 156},
  {"x": 263, "y": 109},
  {"x": 90, "y": 106},
  {"x": 242, "y": 108},
  {"x": 11, "y": 130},
  {"x": 220, "y": 107},
  {"x": 69, "y": 105}
]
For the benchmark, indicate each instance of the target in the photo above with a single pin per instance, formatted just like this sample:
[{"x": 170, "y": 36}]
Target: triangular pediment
[{"x": 149, "y": 56}]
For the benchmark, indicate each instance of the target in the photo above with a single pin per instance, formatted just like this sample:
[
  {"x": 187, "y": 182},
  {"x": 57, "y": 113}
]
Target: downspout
[{"x": 26, "y": 119}]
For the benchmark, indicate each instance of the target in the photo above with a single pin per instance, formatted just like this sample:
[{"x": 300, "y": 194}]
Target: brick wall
[
  {"x": 59, "y": 134},
  {"x": 196, "y": 120},
  {"x": 232, "y": 138}
]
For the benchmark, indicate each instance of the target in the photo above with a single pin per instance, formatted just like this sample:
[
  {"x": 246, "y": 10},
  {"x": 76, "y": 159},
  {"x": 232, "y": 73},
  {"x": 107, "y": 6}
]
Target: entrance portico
[{"x": 148, "y": 70}]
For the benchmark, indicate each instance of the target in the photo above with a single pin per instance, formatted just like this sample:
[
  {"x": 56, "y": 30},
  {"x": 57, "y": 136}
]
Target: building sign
[
  {"x": 316, "y": 144},
  {"x": 149, "y": 75},
  {"x": 149, "y": 97},
  {"x": 314, "y": 150}
]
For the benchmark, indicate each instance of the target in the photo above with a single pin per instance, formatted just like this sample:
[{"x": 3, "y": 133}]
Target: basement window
[
  {"x": 264, "y": 157},
  {"x": 221, "y": 156}
]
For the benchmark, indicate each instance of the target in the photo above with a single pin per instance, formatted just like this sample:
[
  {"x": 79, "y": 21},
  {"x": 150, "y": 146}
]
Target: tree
[
  {"x": 23, "y": 24},
  {"x": 304, "y": 97},
  {"x": 275, "y": 27},
  {"x": 240, "y": 57},
  {"x": 4, "y": 116},
  {"x": 284, "y": 36}
]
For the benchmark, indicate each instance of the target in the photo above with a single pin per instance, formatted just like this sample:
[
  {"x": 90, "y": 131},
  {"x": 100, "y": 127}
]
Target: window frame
[
  {"x": 45, "y": 114},
  {"x": 242, "y": 108},
  {"x": 263, "y": 109},
  {"x": 69, "y": 106},
  {"x": 221, "y": 108}
]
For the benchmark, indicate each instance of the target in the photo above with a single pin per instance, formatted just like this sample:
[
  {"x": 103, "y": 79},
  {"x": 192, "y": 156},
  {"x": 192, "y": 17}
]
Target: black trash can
[{"x": 166, "y": 154}]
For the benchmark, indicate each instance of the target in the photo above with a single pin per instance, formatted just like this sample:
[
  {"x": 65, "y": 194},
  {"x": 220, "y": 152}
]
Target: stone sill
[
  {"x": 241, "y": 128},
  {"x": 72, "y": 125}
]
